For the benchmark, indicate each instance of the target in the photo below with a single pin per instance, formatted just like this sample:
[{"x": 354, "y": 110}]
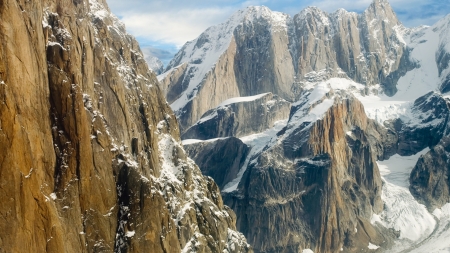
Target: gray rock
[
  {"x": 220, "y": 159},
  {"x": 430, "y": 178},
  {"x": 240, "y": 118},
  {"x": 429, "y": 124},
  {"x": 313, "y": 187},
  {"x": 267, "y": 55}
]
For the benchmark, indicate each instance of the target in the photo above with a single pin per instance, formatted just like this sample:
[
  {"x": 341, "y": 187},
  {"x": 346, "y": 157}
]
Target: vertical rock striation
[
  {"x": 240, "y": 117},
  {"x": 91, "y": 158},
  {"x": 315, "y": 186},
  {"x": 258, "y": 51}
]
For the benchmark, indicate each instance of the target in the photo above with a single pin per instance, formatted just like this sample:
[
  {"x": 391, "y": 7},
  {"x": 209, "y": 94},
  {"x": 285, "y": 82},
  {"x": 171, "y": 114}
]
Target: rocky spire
[{"x": 381, "y": 10}]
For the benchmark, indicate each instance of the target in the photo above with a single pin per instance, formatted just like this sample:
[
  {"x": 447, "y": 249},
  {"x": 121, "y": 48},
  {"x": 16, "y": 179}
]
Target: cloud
[
  {"x": 174, "y": 27},
  {"x": 164, "y": 55},
  {"x": 168, "y": 24}
]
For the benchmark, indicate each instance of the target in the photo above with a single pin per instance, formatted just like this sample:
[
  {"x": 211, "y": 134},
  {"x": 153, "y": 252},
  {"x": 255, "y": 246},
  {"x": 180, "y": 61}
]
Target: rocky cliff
[
  {"x": 314, "y": 186},
  {"x": 240, "y": 117},
  {"x": 258, "y": 51},
  {"x": 342, "y": 170},
  {"x": 430, "y": 177},
  {"x": 91, "y": 159}
]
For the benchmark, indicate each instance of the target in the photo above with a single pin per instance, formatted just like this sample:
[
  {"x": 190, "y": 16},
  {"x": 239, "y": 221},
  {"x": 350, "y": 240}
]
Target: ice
[
  {"x": 438, "y": 242},
  {"x": 396, "y": 169},
  {"x": 402, "y": 212}
]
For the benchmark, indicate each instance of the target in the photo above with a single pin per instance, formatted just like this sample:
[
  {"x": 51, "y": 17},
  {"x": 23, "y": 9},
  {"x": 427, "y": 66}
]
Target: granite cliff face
[
  {"x": 259, "y": 51},
  {"x": 91, "y": 159},
  {"x": 342, "y": 170},
  {"x": 430, "y": 177},
  {"x": 314, "y": 186},
  {"x": 240, "y": 117}
]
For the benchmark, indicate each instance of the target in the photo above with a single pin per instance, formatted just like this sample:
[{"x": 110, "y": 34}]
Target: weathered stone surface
[
  {"x": 271, "y": 52},
  {"x": 90, "y": 158},
  {"x": 427, "y": 127},
  {"x": 313, "y": 187},
  {"x": 430, "y": 178},
  {"x": 240, "y": 118},
  {"x": 220, "y": 159}
]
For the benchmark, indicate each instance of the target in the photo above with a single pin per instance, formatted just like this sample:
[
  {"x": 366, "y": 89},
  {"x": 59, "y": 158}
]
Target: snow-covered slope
[
  {"x": 401, "y": 76},
  {"x": 203, "y": 53}
]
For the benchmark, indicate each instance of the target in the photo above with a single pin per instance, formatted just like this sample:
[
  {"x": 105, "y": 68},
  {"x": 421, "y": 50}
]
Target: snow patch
[
  {"x": 242, "y": 99},
  {"x": 257, "y": 142},
  {"x": 130, "y": 233},
  {"x": 372, "y": 246}
]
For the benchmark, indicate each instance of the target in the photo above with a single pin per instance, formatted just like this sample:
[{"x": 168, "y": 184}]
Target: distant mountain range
[{"x": 325, "y": 131}]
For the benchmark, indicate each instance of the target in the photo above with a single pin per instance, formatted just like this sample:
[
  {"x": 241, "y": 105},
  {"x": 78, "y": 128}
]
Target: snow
[
  {"x": 307, "y": 251},
  {"x": 397, "y": 168},
  {"x": 439, "y": 241},
  {"x": 372, "y": 246},
  {"x": 402, "y": 212},
  {"x": 53, "y": 195},
  {"x": 193, "y": 141},
  {"x": 313, "y": 106},
  {"x": 130, "y": 233},
  {"x": 257, "y": 142},
  {"x": 242, "y": 99},
  {"x": 204, "y": 52}
]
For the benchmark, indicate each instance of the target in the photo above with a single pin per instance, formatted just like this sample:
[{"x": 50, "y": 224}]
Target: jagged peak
[
  {"x": 316, "y": 13},
  {"x": 381, "y": 10},
  {"x": 252, "y": 13}
]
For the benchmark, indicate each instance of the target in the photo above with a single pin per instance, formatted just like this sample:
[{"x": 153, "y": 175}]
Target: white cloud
[
  {"x": 175, "y": 22},
  {"x": 176, "y": 27}
]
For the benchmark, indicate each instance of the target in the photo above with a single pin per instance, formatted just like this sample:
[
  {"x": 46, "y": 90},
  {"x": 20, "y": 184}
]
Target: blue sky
[{"x": 165, "y": 25}]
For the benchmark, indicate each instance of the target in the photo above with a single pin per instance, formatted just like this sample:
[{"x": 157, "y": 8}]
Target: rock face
[
  {"x": 258, "y": 51},
  {"x": 220, "y": 159},
  {"x": 313, "y": 187},
  {"x": 240, "y": 117},
  {"x": 91, "y": 157},
  {"x": 430, "y": 178},
  {"x": 310, "y": 178},
  {"x": 429, "y": 124}
]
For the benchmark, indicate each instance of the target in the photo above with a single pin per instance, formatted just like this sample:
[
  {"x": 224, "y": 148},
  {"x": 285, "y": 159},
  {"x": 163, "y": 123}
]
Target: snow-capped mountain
[
  {"x": 153, "y": 62},
  {"x": 359, "y": 164},
  {"x": 258, "y": 51}
]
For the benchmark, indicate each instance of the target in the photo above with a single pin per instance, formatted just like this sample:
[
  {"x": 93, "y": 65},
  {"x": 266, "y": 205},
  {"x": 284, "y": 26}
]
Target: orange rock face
[{"x": 90, "y": 159}]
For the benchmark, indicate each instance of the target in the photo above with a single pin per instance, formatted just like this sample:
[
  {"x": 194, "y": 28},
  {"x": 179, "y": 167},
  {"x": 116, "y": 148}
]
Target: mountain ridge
[{"x": 297, "y": 173}]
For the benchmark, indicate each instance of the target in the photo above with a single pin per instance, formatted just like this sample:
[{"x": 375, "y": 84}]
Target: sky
[{"x": 163, "y": 26}]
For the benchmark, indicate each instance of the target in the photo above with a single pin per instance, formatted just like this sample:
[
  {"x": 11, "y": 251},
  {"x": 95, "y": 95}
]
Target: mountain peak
[{"x": 381, "y": 10}]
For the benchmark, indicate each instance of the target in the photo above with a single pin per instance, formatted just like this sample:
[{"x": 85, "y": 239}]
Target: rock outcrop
[
  {"x": 426, "y": 125},
  {"x": 220, "y": 159},
  {"x": 91, "y": 159},
  {"x": 430, "y": 178},
  {"x": 240, "y": 117}
]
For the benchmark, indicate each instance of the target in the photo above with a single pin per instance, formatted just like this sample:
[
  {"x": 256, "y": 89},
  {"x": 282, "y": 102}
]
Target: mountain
[
  {"x": 154, "y": 63},
  {"x": 327, "y": 131},
  {"x": 90, "y": 151},
  {"x": 258, "y": 51}
]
